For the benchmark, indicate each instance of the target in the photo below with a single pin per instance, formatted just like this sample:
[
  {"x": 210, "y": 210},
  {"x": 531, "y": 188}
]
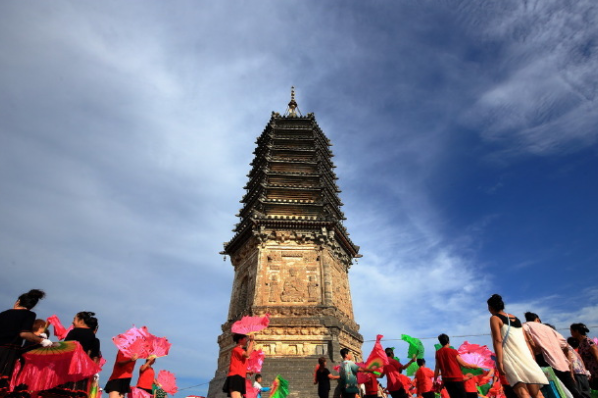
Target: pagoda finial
[{"x": 293, "y": 108}]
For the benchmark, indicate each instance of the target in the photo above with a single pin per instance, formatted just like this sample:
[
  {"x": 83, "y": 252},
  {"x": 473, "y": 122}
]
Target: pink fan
[
  {"x": 251, "y": 324},
  {"x": 476, "y": 355},
  {"x": 138, "y": 393},
  {"x": 159, "y": 346},
  {"x": 255, "y": 361},
  {"x": 59, "y": 330},
  {"x": 167, "y": 382},
  {"x": 250, "y": 392},
  {"x": 134, "y": 342}
]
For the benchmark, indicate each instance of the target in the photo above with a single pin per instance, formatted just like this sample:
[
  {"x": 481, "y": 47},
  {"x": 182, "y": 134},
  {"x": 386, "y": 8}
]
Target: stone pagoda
[{"x": 291, "y": 255}]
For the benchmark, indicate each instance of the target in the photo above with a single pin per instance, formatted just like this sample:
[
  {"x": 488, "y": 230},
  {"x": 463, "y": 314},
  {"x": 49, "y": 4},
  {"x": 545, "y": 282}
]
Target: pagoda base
[{"x": 299, "y": 372}]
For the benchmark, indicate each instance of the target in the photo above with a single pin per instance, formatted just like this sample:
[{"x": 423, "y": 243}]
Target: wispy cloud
[{"x": 542, "y": 102}]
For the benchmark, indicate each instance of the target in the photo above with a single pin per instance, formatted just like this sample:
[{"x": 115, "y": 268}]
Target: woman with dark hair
[
  {"x": 579, "y": 369},
  {"x": 16, "y": 325},
  {"x": 322, "y": 378},
  {"x": 587, "y": 350},
  {"x": 514, "y": 356},
  {"x": 84, "y": 325}
]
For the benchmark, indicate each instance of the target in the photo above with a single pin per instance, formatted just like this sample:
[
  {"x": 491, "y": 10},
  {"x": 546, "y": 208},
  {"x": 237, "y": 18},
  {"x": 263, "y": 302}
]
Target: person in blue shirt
[{"x": 257, "y": 385}]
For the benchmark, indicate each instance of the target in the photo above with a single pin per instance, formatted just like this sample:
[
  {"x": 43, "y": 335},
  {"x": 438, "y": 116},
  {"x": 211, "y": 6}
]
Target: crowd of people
[
  {"x": 524, "y": 354},
  {"x": 21, "y": 331}
]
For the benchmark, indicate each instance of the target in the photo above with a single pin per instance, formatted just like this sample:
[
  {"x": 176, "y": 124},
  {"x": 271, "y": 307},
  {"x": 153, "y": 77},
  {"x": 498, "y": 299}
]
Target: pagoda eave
[{"x": 246, "y": 232}]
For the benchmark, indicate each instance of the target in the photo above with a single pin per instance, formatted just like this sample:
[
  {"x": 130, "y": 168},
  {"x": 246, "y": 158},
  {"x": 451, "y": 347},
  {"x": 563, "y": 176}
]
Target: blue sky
[{"x": 464, "y": 136}]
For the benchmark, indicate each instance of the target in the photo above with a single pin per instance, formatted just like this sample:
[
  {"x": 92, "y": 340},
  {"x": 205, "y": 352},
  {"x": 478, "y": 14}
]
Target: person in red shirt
[
  {"x": 119, "y": 382},
  {"x": 423, "y": 380},
  {"x": 371, "y": 386},
  {"x": 393, "y": 371},
  {"x": 471, "y": 382},
  {"x": 147, "y": 376},
  {"x": 448, "y": 363},
  {"x": 234, "y": 386}
]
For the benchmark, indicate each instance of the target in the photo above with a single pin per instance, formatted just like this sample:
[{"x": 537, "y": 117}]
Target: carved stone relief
[
  {"x": 293, "y": 288},
  {"x": 292, "y": 276},
  {"x": 341, "y": 292}
]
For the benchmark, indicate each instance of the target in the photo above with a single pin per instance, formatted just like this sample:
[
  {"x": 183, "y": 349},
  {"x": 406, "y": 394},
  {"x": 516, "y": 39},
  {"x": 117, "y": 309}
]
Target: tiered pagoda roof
[{"x": 292, "y": 185}]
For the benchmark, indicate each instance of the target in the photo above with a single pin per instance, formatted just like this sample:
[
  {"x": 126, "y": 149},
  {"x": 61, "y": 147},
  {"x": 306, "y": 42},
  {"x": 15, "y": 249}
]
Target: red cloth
[
  {"x": 122, "y": 371},
  {"x": 406, "y": 381},
  {"x": 46, "y": 368},
  {"x": 424, "y": 380},
  {"x": 446, "y": 358},
  {"x": 444, "y": 393},
  {"x": 238, "y": 362},
  {"x": 371, "y": 386},
  {"x": 393, "y": 373},
  {"x": 471, "y": 385},
  {"x": 146, "y": 378}
]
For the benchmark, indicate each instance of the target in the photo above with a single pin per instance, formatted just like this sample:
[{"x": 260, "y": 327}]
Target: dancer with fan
[
  {"x": 147, "y": 375},
  {"x": 243, "y": 335},
  {"x": 84, "y": 326},
  {"x": 15, "y": 327},
  {"x": 393, "y": 370},
  {"x": 234, "y": 386},
  {"x": 448, "y": 364},
  {"x": 119, "y": 382}
]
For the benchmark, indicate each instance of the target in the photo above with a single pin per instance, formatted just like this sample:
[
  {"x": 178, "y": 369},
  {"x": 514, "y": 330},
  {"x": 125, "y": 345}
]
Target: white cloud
[{"x": 542, "y": 102}]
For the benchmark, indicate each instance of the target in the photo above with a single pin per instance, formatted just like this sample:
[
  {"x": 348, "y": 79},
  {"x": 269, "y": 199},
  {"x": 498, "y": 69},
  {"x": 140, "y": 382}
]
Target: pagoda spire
[{"x": 293, "y": 108}]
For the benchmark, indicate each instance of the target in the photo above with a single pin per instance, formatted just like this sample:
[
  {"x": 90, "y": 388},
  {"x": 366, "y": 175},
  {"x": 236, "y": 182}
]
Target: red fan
[
  {"x": 255, "y": 361},
  {"x": 46, "y": 368},
  {"x": 159, "y": 346},
  {"x": 59, "y": 330},
  {"x": 167, "y": 382},
  {"x": 138, "y": 393},
  {"x": 251, "y": 324},
  {"x": 134, "y": 342},
  {"x": 476, "y": 355},
  {"x": 140, "y": 342}
]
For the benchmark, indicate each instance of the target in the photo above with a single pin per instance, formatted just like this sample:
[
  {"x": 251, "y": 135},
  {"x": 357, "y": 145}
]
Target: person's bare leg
[
  {"x": 233, "y": 394},
  {"x": 534, "y": 390},
  {"x": 520, "y": 389}
]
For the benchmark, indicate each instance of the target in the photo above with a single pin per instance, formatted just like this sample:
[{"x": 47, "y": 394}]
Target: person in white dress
[{"x": 514, "y": 357}]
